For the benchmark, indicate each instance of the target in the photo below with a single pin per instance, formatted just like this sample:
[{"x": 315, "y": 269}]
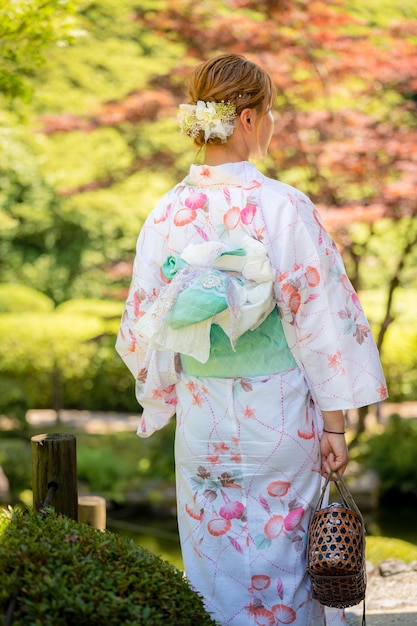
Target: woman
[{"x": 241, "y": 320}]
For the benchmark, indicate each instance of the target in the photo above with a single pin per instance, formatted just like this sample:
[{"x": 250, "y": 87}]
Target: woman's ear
[{"x": 247, "y": 119}]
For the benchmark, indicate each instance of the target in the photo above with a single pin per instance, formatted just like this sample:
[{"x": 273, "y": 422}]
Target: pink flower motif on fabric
[
  {"x": 273, "y": 527},
  {"x": 219, "y": 526},
  {"x": 309, "y": 432},
  {"x": 196, "y": 200},
  {"x": 184, "y": 216},
  {"x": 260, "y": 581},
  {"x": 248, "y": 213},
  {"x": 206, "y": 172},
  {"x": 234, "y": 216},
  {"x": 195, "y": 512},
  {"x": 249, "y": 412},
  {"x": 284, "y": 614},
  {"x": 335, "y": 362},
  {"x": 231, "y": 218},
  {"x": 280, "y": 588},
  {"x": 198, "y": 399},
  {"x": 202, "y": 233},
  {"x": 261, "y": 615},
  {"x": 382, "y": 390},
  {"x": 278, "y": 488},
  {"x": 291, "y": 297},
  {"x": 231, "y": 510},
  {"x": 293, "y": 520},
  {"x": 312, "y": 276}
]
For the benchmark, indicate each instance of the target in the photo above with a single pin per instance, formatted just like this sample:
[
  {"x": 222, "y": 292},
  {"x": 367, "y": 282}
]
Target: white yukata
[{"x": 218, "y": 258}]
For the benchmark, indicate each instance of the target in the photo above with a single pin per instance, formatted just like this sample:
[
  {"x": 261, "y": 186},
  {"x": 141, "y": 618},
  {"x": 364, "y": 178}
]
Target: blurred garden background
[{"x": 89, "y": 92}]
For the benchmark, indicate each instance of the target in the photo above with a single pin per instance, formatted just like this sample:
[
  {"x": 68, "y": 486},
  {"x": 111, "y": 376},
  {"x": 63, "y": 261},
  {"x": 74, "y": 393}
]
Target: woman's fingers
[{"x": 334, "y": 453}]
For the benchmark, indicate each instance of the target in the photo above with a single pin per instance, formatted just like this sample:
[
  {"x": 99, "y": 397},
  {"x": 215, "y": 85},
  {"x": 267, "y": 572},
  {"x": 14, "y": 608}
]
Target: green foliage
[
  {"x": 24, "y": 194},
  {"x": 120, "y": 464},
  {"x": 65, "y": 246},
  {"x": 20, "y": 299},
  {"x": 35, "y": 240},
  {"x": 111, "y": 155},
  {"x": 399, "y": 353},
  {"x": 381, "y": 13},
  {"x": 114, "y": 465},
  {"x": 16, "y": 461},
  {"x": 62, "y": 360},
  {"x": 392, "y": 454},
  {"x": 105, "y": 309},
  {"x": 26, "y": 30},
  {"x": 399, "y": 360},
  {"x": 105, "y": 470},
  {"x": 63, "y": 573},
  {"x": 380, "y": 548},
  {"x": 112, "y": 57},
  {"x": 382, "y": 249}
]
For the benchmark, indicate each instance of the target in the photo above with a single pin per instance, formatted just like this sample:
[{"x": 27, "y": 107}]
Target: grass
[{"x": 380, "y": 548}]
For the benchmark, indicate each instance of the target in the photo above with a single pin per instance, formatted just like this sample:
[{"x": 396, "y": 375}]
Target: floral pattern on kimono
[
  {"x": 247, "y": 449},
  {"x": 323, "y": 321}
]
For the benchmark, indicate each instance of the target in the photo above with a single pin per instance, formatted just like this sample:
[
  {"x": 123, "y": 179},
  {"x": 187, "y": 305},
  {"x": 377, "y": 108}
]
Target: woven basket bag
[{"x": 336, "y": 550}]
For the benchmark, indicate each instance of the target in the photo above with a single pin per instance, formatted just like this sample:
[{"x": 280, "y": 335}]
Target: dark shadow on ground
[{"x": 382, "y": 619}]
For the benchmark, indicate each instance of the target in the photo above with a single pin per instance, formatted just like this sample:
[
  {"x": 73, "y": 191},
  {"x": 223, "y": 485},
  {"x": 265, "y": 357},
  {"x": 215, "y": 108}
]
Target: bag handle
[
  {"x": 343, "y": 490},
  {"x": 348, "y": 501}
]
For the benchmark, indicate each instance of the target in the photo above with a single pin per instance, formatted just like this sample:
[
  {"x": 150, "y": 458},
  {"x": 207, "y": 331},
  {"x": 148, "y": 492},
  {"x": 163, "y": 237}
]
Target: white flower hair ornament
[{"x": 215, "y": 119}]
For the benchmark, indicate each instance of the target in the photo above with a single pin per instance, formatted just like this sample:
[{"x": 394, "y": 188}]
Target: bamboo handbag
[{"x": 336, "y": 550}]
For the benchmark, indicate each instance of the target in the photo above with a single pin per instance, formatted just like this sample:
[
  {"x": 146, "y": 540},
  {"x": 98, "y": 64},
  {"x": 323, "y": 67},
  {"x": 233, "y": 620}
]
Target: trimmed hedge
[
  {"x": 105, "y": 309},
  {"x": 22, "y": 299},
  {"x": 59, "y": 572},
  {"x": 63, "y": 359}
]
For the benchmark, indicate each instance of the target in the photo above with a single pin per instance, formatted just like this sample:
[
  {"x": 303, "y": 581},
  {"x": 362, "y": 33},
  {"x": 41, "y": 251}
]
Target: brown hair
[{"x": 231, "y": 78}]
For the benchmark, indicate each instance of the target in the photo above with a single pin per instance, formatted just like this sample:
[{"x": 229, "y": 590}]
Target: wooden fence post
[
  {"x": 92, "y": 511},
  {"x": 54, "y": 473}
]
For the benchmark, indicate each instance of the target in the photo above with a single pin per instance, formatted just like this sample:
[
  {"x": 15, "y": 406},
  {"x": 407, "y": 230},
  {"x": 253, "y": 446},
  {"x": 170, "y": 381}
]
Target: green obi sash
[{"x": 258, "y": 352}]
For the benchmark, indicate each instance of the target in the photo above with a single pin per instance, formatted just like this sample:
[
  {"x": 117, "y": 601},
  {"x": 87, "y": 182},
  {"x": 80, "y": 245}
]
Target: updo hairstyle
[{"x": 231, "y": 78}]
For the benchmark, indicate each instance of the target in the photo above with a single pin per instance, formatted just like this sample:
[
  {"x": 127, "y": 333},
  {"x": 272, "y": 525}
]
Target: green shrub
[
  {"x": 399, "y": 359},
  {"x": 392, "y": 454},
  {"x": 21, "y": 299},
  {"x": 105, "y": 471},
  {"x": 15, "y": 459},
  {"x": 62, "y": 360},
  {"x": 122, "y": 465},
  {"x": 106, "y": 309},
  {"x": 119, "y": 465},
  {"x": 61, "y": 572}
]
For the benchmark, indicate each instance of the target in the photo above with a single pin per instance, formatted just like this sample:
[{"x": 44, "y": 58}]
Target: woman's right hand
[{"x": 334, "y": 453}]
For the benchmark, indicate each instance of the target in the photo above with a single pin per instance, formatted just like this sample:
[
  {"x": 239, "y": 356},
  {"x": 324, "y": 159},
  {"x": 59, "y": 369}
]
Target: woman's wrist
[
  {"x": 334, "y": 422},
  {"x": 334, "y": 432}
]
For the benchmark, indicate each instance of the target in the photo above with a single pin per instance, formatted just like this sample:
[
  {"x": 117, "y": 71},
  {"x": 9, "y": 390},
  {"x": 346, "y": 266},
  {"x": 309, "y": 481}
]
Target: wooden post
[
  {"x": 54, "y": 473},
  {"x": 92, "y": 511}
]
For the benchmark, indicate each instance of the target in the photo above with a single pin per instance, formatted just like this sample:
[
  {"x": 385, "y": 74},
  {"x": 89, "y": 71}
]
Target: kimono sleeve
[
  {"x": 324, "y": 323},
  {"x": 154, "y": 371}
]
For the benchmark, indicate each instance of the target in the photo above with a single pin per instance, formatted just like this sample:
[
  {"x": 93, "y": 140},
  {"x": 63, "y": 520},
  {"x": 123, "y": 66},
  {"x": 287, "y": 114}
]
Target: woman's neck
[
  {"x": 234, "y": 151},
  {"x": 219, "y": 155}
]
